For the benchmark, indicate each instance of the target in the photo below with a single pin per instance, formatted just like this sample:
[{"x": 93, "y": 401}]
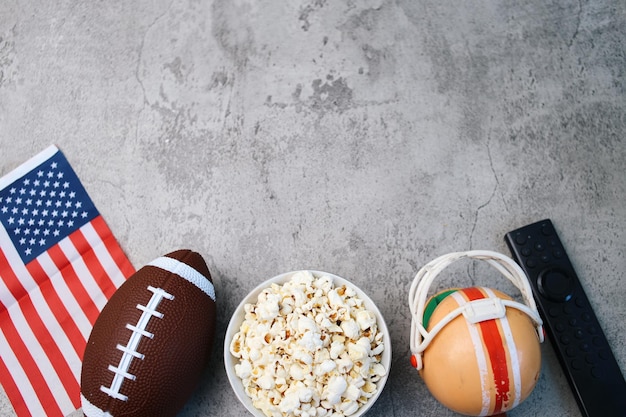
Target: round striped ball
[{"x": 485, "y": 368}]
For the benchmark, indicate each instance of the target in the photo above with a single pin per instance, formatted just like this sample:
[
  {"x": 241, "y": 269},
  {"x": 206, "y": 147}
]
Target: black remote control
[{"x": 570, "y": 322}]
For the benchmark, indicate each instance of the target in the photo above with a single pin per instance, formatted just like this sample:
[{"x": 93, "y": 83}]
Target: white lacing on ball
[
  {"x": 475, "y": 311},
  {"x": 129, "y": 352}
]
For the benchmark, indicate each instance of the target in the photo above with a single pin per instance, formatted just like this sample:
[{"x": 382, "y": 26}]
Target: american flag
[{"x": 59, "y": 264}]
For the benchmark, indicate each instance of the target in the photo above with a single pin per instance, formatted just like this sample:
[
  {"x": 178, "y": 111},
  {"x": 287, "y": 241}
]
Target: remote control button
[
  {"x": 596, "y": 373},
  {"x": 520, "y": 239},
  {"x": 565, "y": 339},
  {"x": 539, "y": 247},
  {"x": 579, "y": 334},
  {"x": 579, "y": 302},
  {"x": 557, "y": 253},
  {"x": 559, "y": 327},
  {"x": 555, "y": 285},
  {"x": 547, "y": 229},
  {"x": 554, "y": 311},
  {"x": 586, "y": 316},
  {"x": 584, "y": 347},
  {"x": 590, "y": 359},
  {"x": 526, "y": 251},
  {"x": 571, "y": 351},
  {"x": 577, "y": 364},
  {"x": 592, "y": 330},
  {"x": 531, "y": 263},
  {"x": 545, "y": 258}
]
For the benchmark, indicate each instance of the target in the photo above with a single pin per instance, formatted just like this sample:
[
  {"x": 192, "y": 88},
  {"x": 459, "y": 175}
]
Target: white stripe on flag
[
  {"x": 40, "y": 301},
  {"x": 43, "y": 362},
  {"x": 65, "y": 294},
  {"x": 40, "y": 305},
  {"x": 47, "y": 317},
  {"x": 90, "y": 284},
  {"x": 57, "y": 332},
  {"x": 16, "y": 263},
  {"x": 21, "y": 379},
  {"x": 103, "y": 255}
]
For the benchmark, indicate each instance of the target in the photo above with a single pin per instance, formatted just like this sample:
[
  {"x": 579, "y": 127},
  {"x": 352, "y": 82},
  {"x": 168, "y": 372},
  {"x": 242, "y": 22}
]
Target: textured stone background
[{"x": 364, "y": 138}]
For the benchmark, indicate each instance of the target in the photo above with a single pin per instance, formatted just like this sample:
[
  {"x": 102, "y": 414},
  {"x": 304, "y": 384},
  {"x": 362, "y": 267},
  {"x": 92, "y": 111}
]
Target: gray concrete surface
[{"x": 363, "y": 138}]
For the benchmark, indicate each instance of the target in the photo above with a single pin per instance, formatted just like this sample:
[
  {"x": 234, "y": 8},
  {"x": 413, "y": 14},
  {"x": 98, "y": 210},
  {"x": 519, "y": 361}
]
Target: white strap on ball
[{"x": 474, "y": 311}]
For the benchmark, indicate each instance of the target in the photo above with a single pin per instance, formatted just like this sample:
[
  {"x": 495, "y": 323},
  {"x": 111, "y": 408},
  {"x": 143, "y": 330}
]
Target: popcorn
[
  {"x": 365, "y": 319},
  {"x": 349, "y": 407},
  {"x": 350, "y": 328},
  {"x": 325, "y": 367},
  {"x": 307, "y": 348},
  {"x": 336, "y": 387}
]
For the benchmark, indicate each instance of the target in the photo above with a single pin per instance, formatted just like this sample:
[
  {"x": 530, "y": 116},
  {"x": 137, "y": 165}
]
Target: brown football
[{"x": 150, "y": 344}]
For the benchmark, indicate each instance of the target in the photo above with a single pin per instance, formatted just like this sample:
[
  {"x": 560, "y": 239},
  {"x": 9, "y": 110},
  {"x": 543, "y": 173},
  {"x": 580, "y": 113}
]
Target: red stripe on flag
[
  {"x": 10, "y": 279},
  {"x": 74, "y": 283},
  {"x": 93, "y": 263},
  {"x": 58, "y": 309},
  {"x": 29, "y": 365},
  {"x": 39, "y": 329},
  {"x": 497, "y": 355},
  {"x": 112, "y": 246},
  {"x": 15, "y": 287},
  {"x": 51, "y": 348},
  {"x": 12, "y": 390}
]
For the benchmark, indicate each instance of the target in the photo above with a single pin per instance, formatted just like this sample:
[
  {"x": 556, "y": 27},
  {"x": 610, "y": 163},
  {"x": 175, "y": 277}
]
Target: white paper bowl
[{"x": 238, "y": 316}]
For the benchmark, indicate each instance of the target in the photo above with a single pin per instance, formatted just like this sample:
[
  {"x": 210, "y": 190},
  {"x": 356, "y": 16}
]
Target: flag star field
[{"x": 44, "y": 206}]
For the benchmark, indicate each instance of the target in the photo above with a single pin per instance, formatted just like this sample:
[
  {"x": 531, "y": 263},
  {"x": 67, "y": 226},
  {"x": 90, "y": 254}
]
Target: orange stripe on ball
[{"x": 492, "y": 338}]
